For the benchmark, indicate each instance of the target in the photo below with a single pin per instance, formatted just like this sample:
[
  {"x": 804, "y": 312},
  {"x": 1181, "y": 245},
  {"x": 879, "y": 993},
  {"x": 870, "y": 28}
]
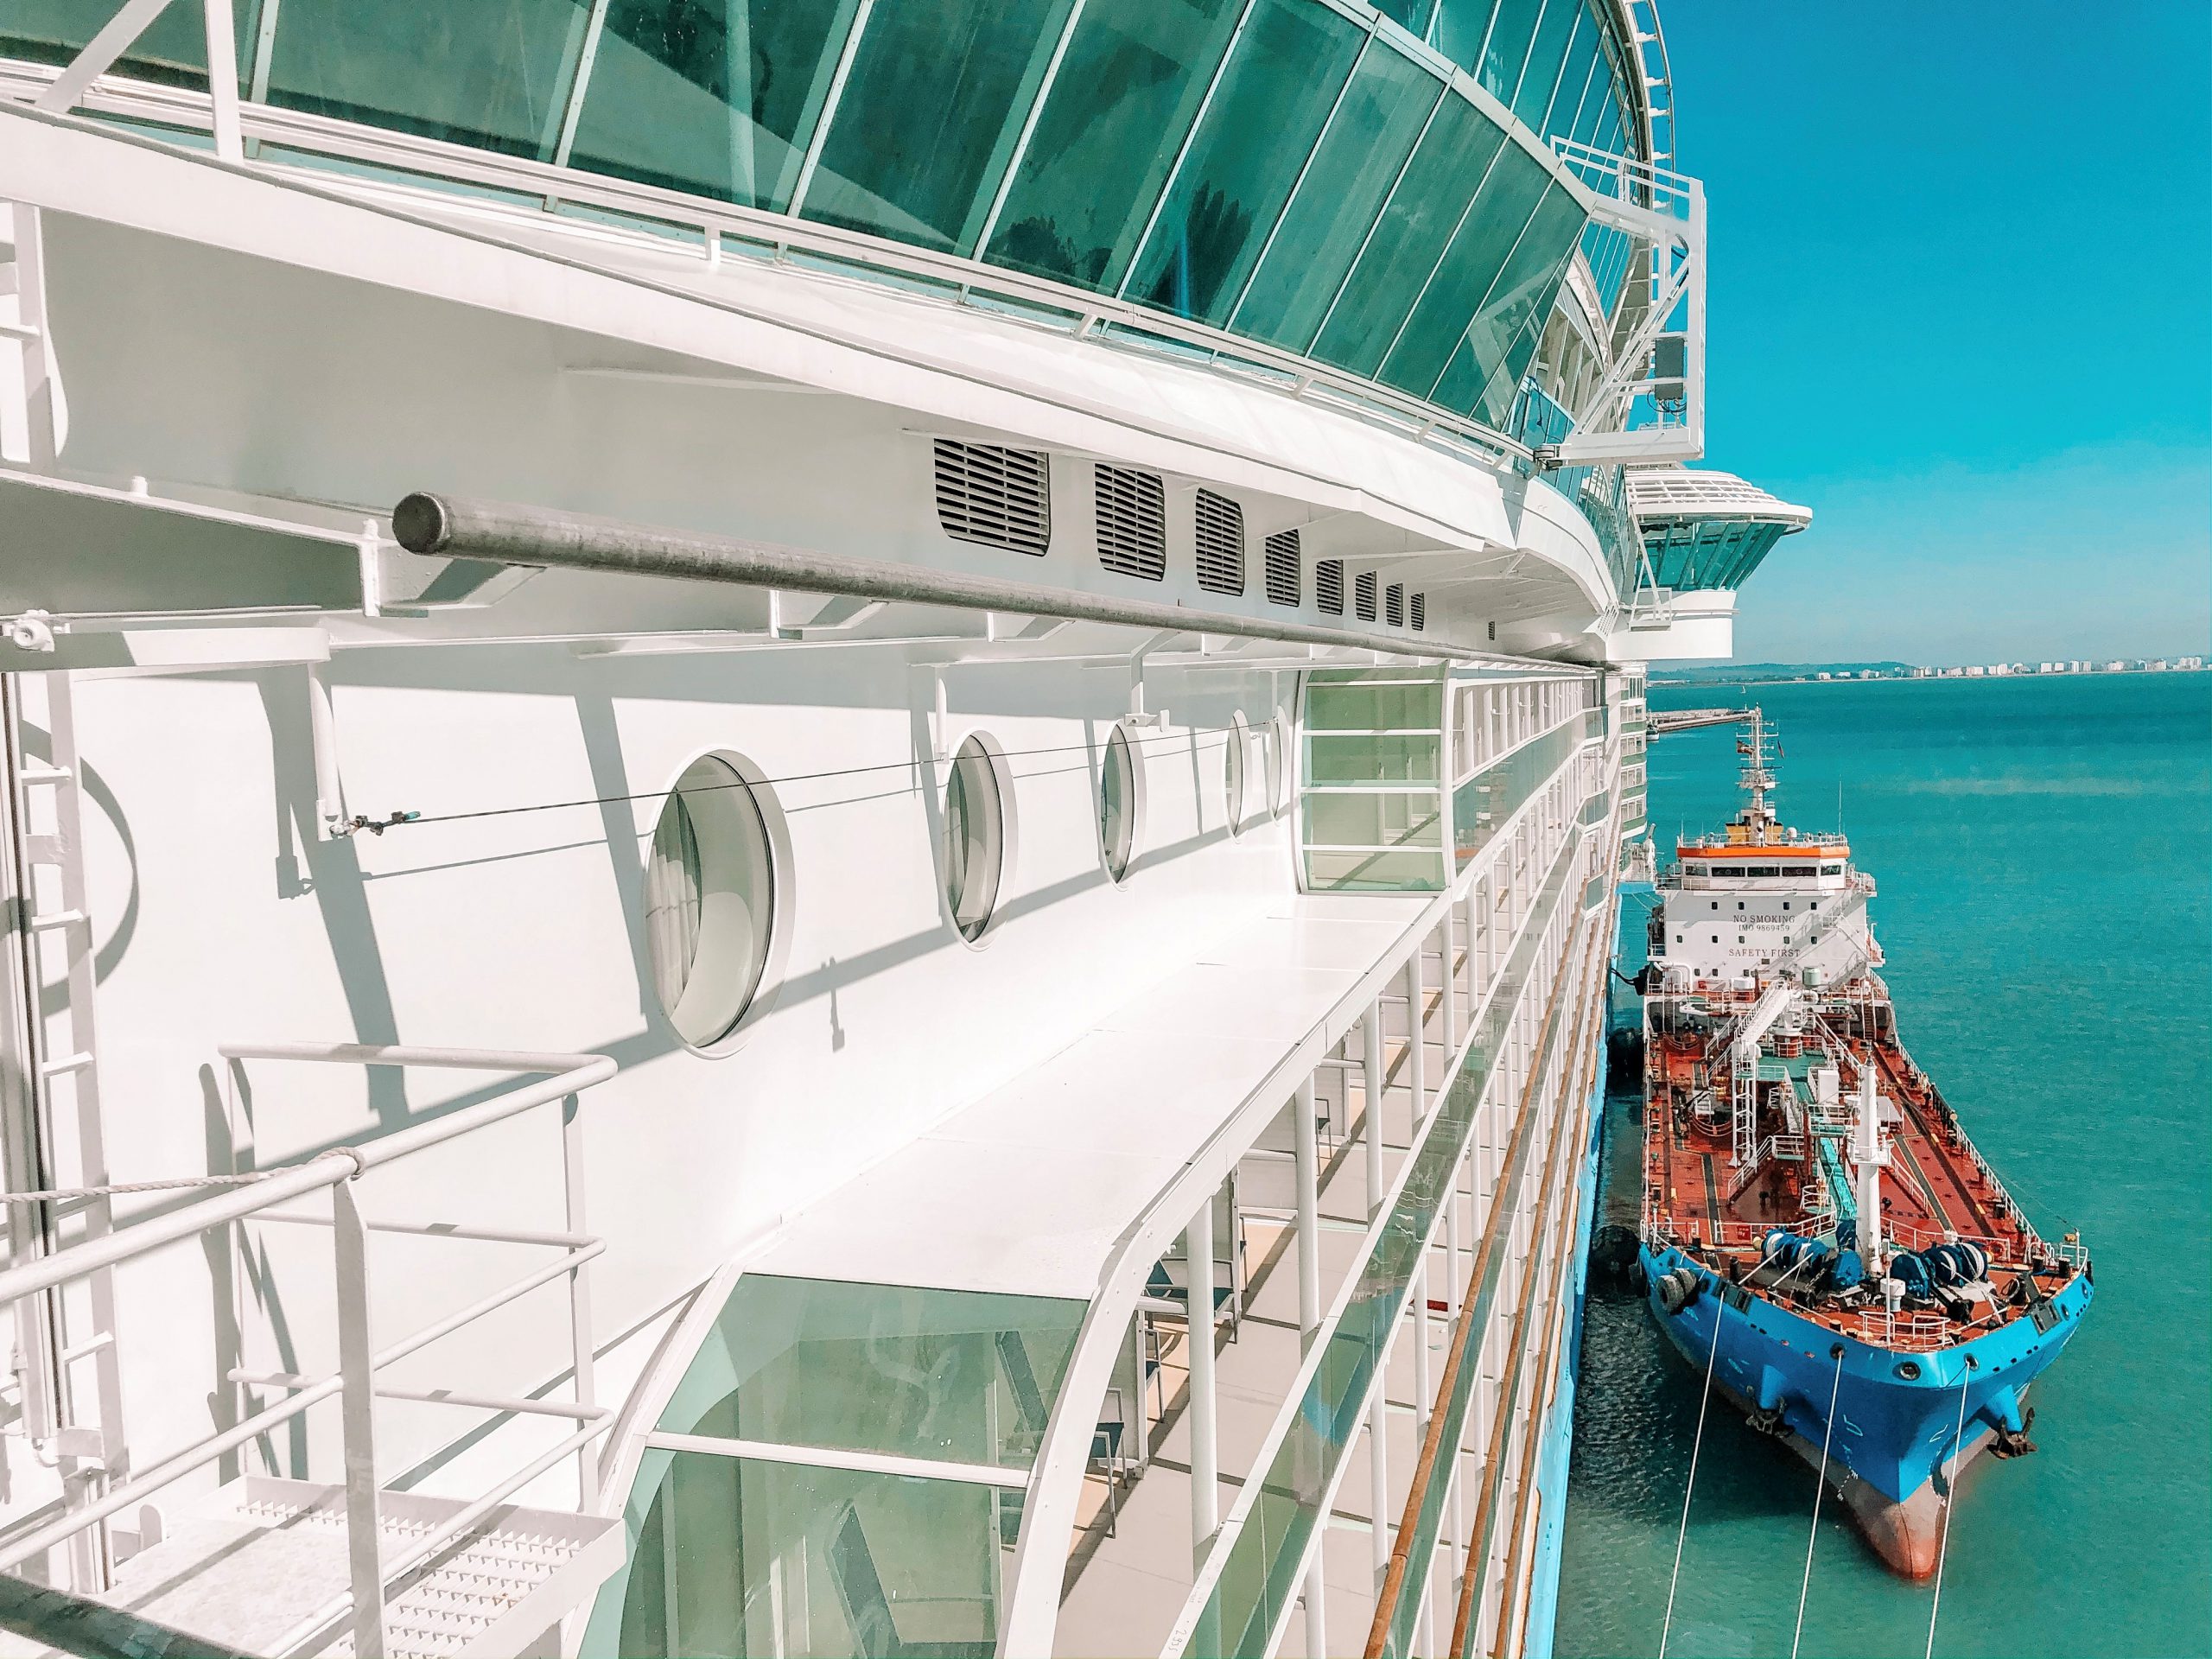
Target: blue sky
[{"x": 1958, "y": 306}]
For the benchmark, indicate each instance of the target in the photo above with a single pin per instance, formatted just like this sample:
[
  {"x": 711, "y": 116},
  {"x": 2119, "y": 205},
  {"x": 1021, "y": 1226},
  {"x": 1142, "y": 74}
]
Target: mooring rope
[
  {"x": 63, "y": 1194},
  {"x": 1696, "y": 1446},
  {"x": 1819, "y": 1489},
  {"x": 1950, "y": 1503}
]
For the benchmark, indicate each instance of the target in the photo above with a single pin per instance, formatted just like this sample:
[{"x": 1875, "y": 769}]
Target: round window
[
  {"x": 1118, "y": 803},
  {"x": 710, "y": 890},
  {"x": 1239, "y": 738},
  {"x": 974, "y": 839}
]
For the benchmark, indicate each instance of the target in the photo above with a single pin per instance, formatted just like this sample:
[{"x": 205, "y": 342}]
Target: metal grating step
[{"x": 245, "y": 1568}]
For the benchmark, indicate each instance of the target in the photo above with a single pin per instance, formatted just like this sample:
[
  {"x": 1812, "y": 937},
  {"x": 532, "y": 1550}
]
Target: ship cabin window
[
  {"x": 1831, "y": 869},
  {"x": 1785, "y": 904},
  {"x": 975, "y": 836},
  {"x": 1817, "y": 903},
  {"x": 1716, "y": 904},
  {"x": 710, "y": 890},
  {"x": 1762, "y": 869},
  {"x": 1120, "y": 800},
  {"x": 1739, "y": 904}
]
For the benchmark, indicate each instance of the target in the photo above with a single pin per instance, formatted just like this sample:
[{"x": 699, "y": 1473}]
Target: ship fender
[{"x": 1677, "y": 1290}]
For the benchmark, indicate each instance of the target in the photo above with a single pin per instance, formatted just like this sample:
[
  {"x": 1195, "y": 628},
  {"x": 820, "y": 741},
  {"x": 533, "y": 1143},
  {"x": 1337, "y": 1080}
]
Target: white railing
[{"x": 354, "y": 1384}]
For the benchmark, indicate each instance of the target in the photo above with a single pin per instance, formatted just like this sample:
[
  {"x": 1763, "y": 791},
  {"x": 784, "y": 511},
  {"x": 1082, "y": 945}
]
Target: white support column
[
  {"x": 1307, "y": 1159},
  {"x": 1205, "y": 1471},
  {"x": 222, "y": 79},
  {"x": 1450, "y": 978},
  {"x": 1424, "y": 1399},
  {"x": 1378, "y": 1471},
  {"x": 1417, "y": 1033},
  {"x": 357, "y": 1419},
  {"x": 1370, "y": 1043}
]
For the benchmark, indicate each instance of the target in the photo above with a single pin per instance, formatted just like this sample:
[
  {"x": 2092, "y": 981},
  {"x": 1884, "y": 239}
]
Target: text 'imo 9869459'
[{"x": 1819, "y": 1238}]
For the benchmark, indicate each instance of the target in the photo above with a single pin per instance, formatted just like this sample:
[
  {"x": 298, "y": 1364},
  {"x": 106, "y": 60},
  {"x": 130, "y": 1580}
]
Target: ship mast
[{"x": 1757, "y": 817}]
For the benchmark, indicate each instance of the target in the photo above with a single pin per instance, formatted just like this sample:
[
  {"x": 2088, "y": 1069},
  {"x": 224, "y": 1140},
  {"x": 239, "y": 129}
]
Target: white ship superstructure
[{"x": 762, "y": 728}]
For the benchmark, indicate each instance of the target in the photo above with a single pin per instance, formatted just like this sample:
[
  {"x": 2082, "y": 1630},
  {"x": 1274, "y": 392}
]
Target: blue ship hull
[{"x": 1897, "y": 1446}]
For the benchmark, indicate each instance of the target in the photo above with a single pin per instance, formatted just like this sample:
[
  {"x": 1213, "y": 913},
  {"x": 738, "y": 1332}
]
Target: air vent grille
[
  {"x": 1394, "y": 605},
  {"x": 1418, "y": 609},
  {"x": 1329, "y": 585},
  {"x": 988, "y": 493},
  {"x": 1363, "y": 596},
  {"x": 1132, "y": 523},
  {"x": 1220, "y": 543},
  {"x": 1286, "y": 572}
]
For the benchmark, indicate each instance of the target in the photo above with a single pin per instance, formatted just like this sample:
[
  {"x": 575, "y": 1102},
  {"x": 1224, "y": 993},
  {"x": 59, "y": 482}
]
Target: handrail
[{"x": 353, "y": 1383}]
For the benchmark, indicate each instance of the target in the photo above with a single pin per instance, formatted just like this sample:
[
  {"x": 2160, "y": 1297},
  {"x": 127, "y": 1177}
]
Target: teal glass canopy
[{"x": 1316, "y": 175}]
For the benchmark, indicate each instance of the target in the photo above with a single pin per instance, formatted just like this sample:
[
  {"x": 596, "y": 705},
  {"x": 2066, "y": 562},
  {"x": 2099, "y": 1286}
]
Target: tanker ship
[{"x": 1819, "y": 1238}]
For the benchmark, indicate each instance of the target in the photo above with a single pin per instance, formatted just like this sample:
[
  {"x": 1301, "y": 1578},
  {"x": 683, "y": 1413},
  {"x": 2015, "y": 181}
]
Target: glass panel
[
  {"x": 1289, "y": 65},
  {"x": 1553, "y": 31},
  {"x": 1595, "y": 101},
  {"x": 1117, "y": 805},
  {"x": 1259, "y": 1577},
  {"x": 734, "y": 1557},
  {"x": 493, "y": 75},
  {"x": 1409, "y": 819},
  {"x": 1127, "y": 93},
  {"x": 173, "y": 49},
  {"x": 1508, "y": 48},
  {"x": 1485, "y": 801},
  {"x": 928, "y": 120},
  {"x": 1374, "y": 705},
  {"x": 712, "y": 97},
  {"x": 1576, "y": 78},
  {"x": 1469, "y": 269},
  {"x": 1342, "y": 872},
  {"x": 1367, "y": 142},
  {"x": 1415, "y": 228},
  {"x": 1371, "y": 759},
  {"x": 960, "y": 1377},
  {"x": 1461, "y": 27},
  {"x": 1609, "y": 137},
  {"x": 1520, "y": 296}
]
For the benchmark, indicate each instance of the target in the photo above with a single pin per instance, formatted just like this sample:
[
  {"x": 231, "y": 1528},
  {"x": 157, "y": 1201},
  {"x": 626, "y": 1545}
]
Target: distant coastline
[{"x": 1854, "y": 673}]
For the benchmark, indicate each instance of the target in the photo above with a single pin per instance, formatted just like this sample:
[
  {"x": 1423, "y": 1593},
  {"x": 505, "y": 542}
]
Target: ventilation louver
[
  {"x": 1285, "y": 577},
  {"x": 1220, "y": 543},
  {"x": 1394, "y": 605},
  {"x": 988, "y": 493},
  {"x": 1132, "y": 523},
  {"x": 1363, "y": 596},
  {"x": 1417, "y": 609},
  {"x": 1329, "y": 585}
]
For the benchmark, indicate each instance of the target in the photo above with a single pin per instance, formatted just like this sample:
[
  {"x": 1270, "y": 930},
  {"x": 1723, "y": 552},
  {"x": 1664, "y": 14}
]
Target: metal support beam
[
  {"x": 1417, "y": 1032},
  {"x": 222, "y": 79},
  {"x": 1370, "y": 1043},
  {"x": 1306, "y": 1157},
  {"x": 100, "y": 51}
]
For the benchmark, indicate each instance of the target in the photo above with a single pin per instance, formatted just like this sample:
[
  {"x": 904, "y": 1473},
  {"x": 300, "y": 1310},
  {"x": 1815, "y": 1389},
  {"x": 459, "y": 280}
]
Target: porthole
[
  {"x": 1121, "y": 803},
  {"x": 1909, "y": 1369},
  {"x": 975, "y": 837},
  {"x": 711, "y": 898},
  {"x": 1236, "y": 741}
]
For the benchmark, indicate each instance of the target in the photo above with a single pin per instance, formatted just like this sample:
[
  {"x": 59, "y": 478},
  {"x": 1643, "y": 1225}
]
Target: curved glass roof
[
  {"x": 1706, "y": 530},
  {"x": 1312, "y": 173}
]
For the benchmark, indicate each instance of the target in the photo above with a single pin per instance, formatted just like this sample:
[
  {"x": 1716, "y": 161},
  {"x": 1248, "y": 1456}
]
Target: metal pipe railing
[{"x": 354, "y": 1383}]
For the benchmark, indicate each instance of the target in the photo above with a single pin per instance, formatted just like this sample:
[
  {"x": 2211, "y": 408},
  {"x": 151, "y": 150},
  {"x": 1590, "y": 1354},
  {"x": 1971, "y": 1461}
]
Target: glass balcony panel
[
  {"x": 172, "y": 50},
  {"x": 1547, "y": 54},
  {"x": 1374, "y": 705},
  {"x": 1507, "y": 50},
  {"x": 1127, "y": 93},
  {"x": 1461, "y": 27},
  {"x": 1411, "y": 759},
  {"x": 1366, "y": 144},
  {"x": 494, "y": 75},
  {"x": 1328, "y": 871},
  {"x": 1415, "y": 228},
  {"x": 958, "y": 1376},
  {"x": 1374, "y": 821},
  {"x": 732, "y": 1557},
  {"x": 1290, "y": 64},
  {"x": 1469, "y": 270},
  {"x": 715, "y": 99},
  {"x": 929, "y": 117}
]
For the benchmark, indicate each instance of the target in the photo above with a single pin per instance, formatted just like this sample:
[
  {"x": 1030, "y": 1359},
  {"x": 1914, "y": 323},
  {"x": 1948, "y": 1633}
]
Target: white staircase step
[{"x": 264, "y": 1554}]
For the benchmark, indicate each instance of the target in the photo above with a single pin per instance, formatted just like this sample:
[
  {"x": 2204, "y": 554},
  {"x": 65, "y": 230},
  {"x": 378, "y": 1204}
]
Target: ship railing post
[
  {"x": 1449, "y": 976},
  {"x": 357, "y": 1413},
  {"x": 1370, "y": 1044},
  {"x": 581, "y": 1351},
  {"x": 1417, "y": 1035},
  {"x": 1205, "y": 1458}
]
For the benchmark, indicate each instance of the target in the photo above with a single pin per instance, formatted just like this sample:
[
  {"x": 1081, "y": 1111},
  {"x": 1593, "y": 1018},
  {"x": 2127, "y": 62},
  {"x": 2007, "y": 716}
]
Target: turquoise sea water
[{"x": 2043, "y": 853}]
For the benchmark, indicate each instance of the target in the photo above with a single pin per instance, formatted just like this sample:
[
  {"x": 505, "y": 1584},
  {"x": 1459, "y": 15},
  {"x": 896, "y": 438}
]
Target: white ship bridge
[{"x": 985, "y": 654}]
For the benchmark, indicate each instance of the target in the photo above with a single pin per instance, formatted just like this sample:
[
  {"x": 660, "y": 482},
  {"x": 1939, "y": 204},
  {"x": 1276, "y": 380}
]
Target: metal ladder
[{"x": 54, "y": 1135}]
